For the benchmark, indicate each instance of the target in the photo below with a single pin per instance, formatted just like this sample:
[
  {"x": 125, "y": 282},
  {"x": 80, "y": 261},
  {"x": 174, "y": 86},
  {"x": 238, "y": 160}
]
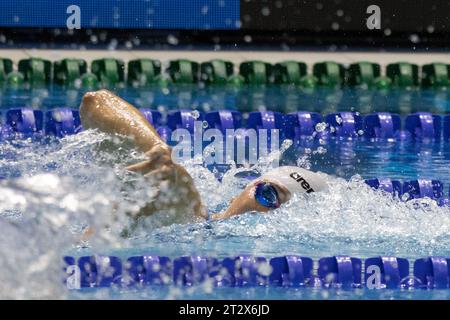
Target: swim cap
[{"x": 295, "y": 179}]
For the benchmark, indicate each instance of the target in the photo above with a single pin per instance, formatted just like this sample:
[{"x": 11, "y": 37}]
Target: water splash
[{"x": 79, "y": 181}]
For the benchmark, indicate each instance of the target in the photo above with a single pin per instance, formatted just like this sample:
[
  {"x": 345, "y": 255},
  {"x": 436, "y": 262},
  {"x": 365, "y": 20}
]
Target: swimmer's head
[
  {"x": 273, "y": 189},
  {"x": 294, "y": 180}
]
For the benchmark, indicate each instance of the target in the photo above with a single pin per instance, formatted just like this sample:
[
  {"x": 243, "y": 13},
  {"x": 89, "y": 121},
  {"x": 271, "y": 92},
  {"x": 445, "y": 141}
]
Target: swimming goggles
[{"x": 267, "y": 195}]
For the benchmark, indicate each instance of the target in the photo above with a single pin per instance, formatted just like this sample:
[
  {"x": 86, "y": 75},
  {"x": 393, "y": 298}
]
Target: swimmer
[{"x": 107, "y": 112}]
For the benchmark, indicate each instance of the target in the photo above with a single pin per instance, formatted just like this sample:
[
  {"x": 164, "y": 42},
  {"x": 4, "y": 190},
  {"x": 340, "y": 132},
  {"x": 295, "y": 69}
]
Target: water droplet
[
  {"x": 320, "y": 127},
  {"x": 321, "y": 150},
  {"x": 171, "y": 39},
  {"x": 265, "y": 11},
  {"x": 414, "y": 38},
  {"x": 286, "y": 144},
  {"x": 195, "y": 114}
]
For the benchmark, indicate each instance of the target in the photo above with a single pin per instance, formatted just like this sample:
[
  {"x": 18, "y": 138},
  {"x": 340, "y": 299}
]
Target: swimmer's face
[
  {"x": 246, "y": 202},
  {"x": 283, "y": 194}
]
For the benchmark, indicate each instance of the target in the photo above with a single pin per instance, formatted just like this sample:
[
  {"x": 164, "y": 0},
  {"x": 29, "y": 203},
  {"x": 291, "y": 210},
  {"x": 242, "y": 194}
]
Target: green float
[
  {"x": 256, "y": 72},
  {"x": 67, "y": 71},
  {"x": 163, "y": 81},
  {"x": 403, "y": 74},
  {"x": 143, "y": 72},
  {"x": 289, "y": 72},
  {"x": 14, "y": 80},
  {"x": 110, "y": 72},
  {"x": 184, "y": 71},
  {"x": 236, "y": 81},
  {"x": 89, "y": 81},
  {"x": 308, "y": 82},
  {"x": 382, "y": 83},
  {"x": 6, "y": 67},
  {"x": 216, "y": 71},
  {"x": 36, "y": 71},
  {"x": 329, "y": 73},
  {"x": 435, "y": 75},
  {"x": 363, "y": 73}
]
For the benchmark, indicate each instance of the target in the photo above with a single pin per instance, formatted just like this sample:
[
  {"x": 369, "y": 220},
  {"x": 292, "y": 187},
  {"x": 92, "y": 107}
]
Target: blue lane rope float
[
  {"x": 63, "y": 121},
  {"x": 382, "y": 126},
  {"x": 414, "y": 189},
  {"x": 383, "y": 272}
]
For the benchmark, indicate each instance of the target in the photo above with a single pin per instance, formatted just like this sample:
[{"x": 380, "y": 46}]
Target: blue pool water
[
  {"x": 51, "y": 190},
  {"x": 274, "y": 98}
]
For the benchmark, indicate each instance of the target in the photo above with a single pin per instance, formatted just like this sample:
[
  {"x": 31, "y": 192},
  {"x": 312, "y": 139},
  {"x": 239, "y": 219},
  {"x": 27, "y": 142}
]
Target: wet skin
[
  {"x": 246, "y": 202},
  {"x": 107, "y": 112}
]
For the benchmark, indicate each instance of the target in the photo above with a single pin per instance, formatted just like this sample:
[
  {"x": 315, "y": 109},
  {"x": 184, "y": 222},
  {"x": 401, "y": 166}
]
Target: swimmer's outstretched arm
[{"x": 107, "y": 112}]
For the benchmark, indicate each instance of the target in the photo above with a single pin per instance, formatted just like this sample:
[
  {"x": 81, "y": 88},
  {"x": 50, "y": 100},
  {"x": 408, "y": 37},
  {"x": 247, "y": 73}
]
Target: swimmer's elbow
[{"x": 86, "y": 108}]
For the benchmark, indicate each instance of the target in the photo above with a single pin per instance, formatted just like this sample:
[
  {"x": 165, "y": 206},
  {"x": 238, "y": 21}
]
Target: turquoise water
[{"x": 52, "y": 190}]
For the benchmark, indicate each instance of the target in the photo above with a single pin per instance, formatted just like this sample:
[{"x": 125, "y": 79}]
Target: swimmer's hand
[{"x": 177, "y": 187}]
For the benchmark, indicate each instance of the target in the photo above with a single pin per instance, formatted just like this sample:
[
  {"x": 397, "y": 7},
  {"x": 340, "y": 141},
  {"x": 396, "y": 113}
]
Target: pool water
[
  {"x": 282, "y": 98},
  {"x": 51, "y": 190}
]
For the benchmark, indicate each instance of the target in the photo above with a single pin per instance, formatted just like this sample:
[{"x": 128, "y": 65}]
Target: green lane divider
[
  {"x": 236, "y": 81},
  {"x": 403, "y": 74},
  {"x": 14, "y": 80},
  {"x": 435, "y": 75},
  {"x": 89, "y": 81},
  {"x": 309, "y": 82},
  {"x": 146, "y": 72},
  {"x": 37, "y": 72},
  {"x": 184, "y": 71},
  {"x": 143, "y": 72},
  {"x": 289, "y": 72},
  {"x": 163, "y": 81},
  {"x": 363, "y": 73},
  {"x": 256, "y": 72},
  {"x": 329, "y": 73},
  {"x": 6, "y": 67},
  {"x": 216, "y": 71},
  {"x": 67, "y": 71},
  {"x": 110, "y": 72},
  {"x": 382, "y": 83}
]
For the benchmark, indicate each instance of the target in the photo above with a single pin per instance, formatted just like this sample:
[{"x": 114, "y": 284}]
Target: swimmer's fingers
[
  {"x": 139, "y": 167},
  {"x": 163, "y": 173},
  {"x": 219, "y": 216},
  {"x": 155, "y": 161}
]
